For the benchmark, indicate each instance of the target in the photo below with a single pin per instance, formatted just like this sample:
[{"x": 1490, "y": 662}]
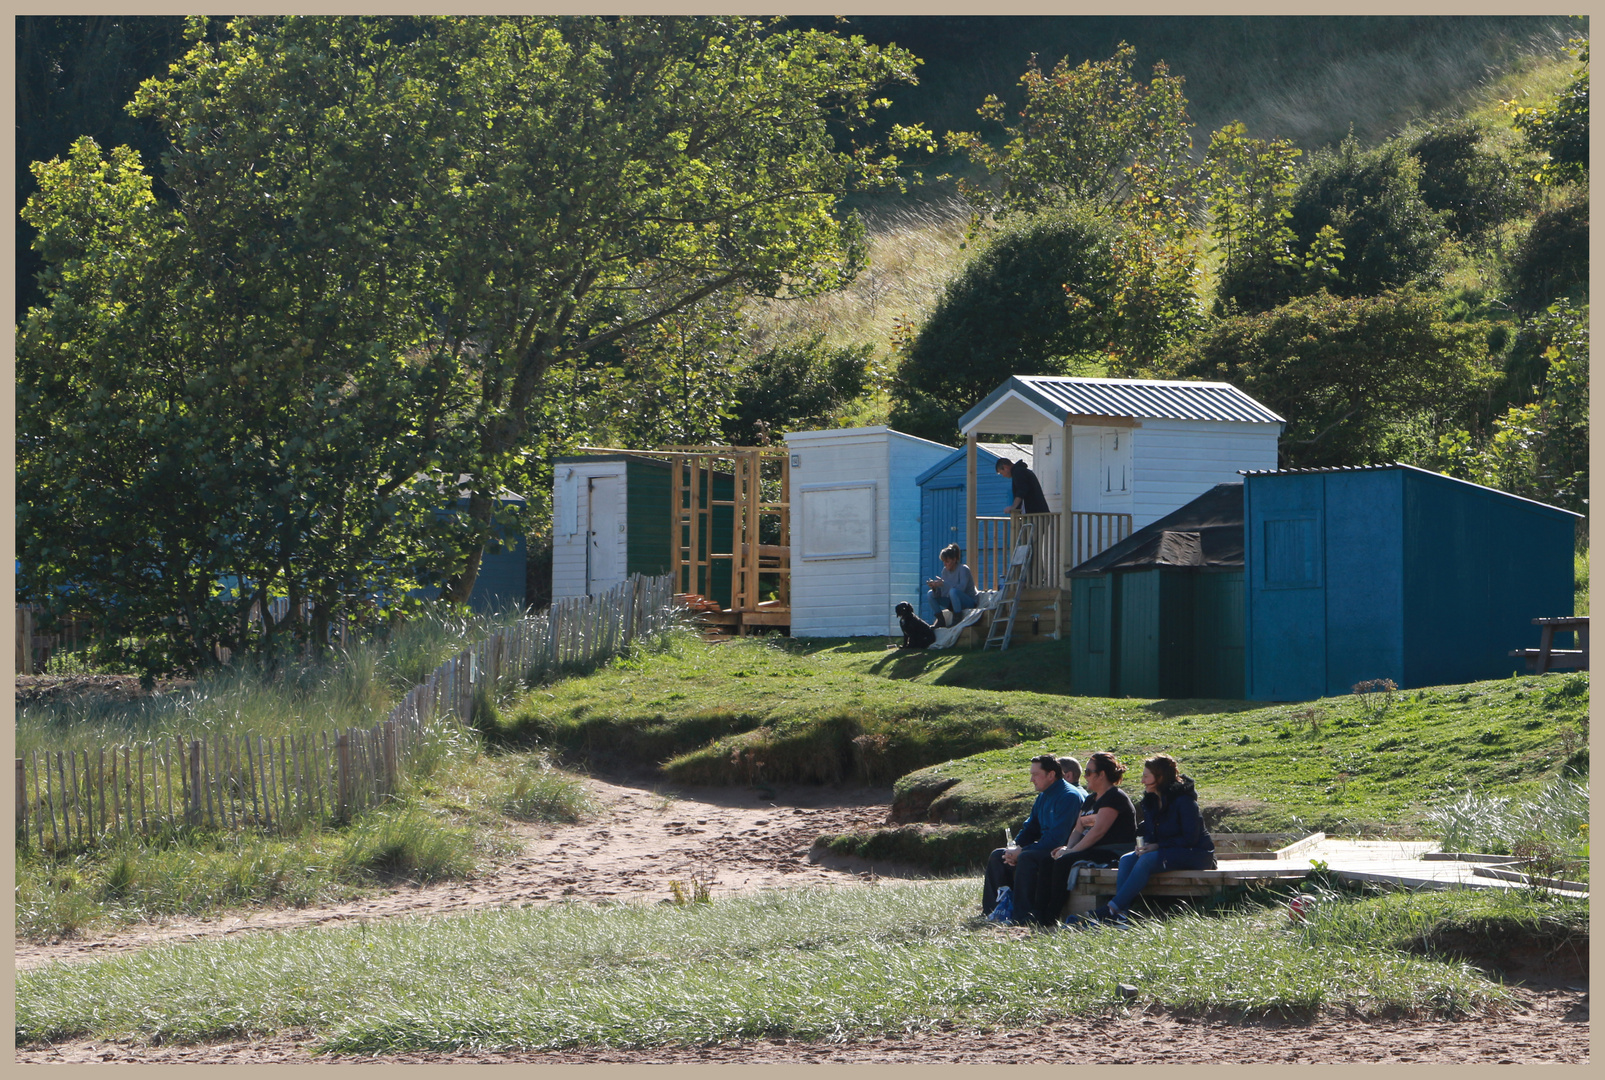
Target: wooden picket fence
[{"x": 247, "y": 781}]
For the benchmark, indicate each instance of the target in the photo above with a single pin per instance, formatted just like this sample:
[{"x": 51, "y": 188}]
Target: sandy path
[{"x": 632, "y": 849}]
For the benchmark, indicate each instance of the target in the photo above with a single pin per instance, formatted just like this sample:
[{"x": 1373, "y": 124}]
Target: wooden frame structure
[{"x": 757, "y": 474}]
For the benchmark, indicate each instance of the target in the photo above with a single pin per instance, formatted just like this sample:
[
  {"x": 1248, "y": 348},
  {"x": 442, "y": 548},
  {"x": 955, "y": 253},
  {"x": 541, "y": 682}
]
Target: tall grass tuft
[
  {"x": 1501, "y": 824},
  {"x": 404, "y": 843},
  {"x": 535, "y": 791},
  {"x": 356, "y": 687}
]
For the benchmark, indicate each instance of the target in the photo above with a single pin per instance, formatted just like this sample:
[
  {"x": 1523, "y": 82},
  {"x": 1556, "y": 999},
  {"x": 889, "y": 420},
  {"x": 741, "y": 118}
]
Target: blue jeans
[
  {"x": 1135, "y": 870},
  {"x": 960, "y": 603}
]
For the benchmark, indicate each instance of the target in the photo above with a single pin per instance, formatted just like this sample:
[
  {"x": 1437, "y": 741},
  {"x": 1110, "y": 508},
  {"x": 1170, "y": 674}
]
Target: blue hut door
[
  {"x": 942, "y": 524},
  {"x": 602, "y": 567}
]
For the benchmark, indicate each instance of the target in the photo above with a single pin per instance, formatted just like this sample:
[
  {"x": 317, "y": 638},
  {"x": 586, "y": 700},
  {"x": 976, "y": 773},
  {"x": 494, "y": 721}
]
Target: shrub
[
  {"x": 1473, "y": 186},
  {"x": 1345, "y": 372},
  {"x": 1551, "y": 261},
  {"x": 1373, "y": 199},
  {"x": 1010, "y": 312},
  {"x": 794, "y": 386}
]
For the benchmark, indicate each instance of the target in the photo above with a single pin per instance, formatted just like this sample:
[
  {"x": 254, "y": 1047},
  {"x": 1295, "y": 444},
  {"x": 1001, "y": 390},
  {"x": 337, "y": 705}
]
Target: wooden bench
[
  {"x": 1546, "y": 657},
  {"x": 1238, "y": 864}
]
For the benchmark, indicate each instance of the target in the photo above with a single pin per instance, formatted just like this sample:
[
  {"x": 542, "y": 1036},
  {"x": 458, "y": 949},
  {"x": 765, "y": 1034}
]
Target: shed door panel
[
  {"x": 1284, "y": 542},
  {"x": 604, "y": 529},
  {"x": 941, "y": 524}
]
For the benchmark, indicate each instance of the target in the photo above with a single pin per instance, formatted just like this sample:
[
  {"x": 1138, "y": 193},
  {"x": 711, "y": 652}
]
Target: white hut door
[
  {"x": 603, "y": 525},
  {"x": 1116, "y": 464}
]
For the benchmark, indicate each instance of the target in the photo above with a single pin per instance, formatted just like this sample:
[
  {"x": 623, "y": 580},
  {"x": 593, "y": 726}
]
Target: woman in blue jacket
[{"x": 1173, "y": 834}]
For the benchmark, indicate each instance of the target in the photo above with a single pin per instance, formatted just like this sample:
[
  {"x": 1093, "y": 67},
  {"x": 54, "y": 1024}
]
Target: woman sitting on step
[{"x": 1173, "y": 835}]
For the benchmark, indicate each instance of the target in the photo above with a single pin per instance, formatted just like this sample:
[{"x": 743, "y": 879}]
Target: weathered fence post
[
  {"x": 192, "y": 812},
  {"x": 22, "y": 801},
  {"x": 342, "y": 749}
]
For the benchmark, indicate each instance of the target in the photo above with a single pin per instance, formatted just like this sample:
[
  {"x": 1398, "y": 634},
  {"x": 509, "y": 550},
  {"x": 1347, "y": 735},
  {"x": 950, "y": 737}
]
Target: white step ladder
[{"x": 1002, "y": 627}]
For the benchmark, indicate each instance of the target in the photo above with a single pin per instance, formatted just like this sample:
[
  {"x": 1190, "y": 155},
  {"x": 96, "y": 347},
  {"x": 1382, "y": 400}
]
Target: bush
[
  {"x": 1551, "y": 261},
  {"x": 1474, "y": 187},
  {"x": 793, "y": 387},
  {"x": 1006, "y": 313},
  {"x": 1347, "y": 373},
  {"x": 1373, "y": 199}
]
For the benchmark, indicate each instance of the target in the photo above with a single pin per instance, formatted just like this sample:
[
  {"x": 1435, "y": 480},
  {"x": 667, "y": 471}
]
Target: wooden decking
[{"x": 1389, "y": 863}]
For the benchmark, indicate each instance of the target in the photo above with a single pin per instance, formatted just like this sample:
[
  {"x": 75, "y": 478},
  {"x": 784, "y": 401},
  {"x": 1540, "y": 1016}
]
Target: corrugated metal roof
[
  {"x": 1411, "y": 468},
  {"x": 1155, "y": 398}
]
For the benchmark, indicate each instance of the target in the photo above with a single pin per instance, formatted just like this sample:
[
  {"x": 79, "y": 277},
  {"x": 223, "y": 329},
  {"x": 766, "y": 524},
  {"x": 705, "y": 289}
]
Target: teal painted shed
[
  {"x": 1394, "y": 572},
  {"x": 1161, "y": 613}
]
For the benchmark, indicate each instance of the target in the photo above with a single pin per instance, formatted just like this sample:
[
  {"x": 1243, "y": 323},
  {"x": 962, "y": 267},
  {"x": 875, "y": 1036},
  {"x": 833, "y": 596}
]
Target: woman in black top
[{"x": 1106, "y": 830}]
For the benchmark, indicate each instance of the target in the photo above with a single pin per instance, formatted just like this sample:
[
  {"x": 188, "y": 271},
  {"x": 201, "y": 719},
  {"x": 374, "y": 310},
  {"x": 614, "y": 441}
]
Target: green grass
[
  {"x": 774, "y": 710},
  {"x": 812, "y": 965},
  {"x": 453, "y": 817}
]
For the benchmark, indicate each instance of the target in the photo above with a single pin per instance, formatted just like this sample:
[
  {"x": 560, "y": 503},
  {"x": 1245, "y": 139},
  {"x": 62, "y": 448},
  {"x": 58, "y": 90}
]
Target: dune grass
[
  {"x": 454, "y": 815},
  {"x": 804, "y": 964},
  {"x": 356, "y": 687}
]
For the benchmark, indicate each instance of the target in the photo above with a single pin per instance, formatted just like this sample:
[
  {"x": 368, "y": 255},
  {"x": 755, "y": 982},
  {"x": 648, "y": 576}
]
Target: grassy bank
[
  {"x": 815, "y": 965},
  {"x": 452, "y": 817}
]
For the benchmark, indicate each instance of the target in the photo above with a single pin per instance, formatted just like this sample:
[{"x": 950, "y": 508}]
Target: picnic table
[{"x": 1546, "y": 656}]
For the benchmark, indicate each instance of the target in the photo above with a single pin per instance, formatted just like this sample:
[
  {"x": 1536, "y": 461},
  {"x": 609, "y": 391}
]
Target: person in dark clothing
[
  {"x": 1173, "y": 834},
  {"x": 1027, "y": 489},
  {"x": 1106, "y": 830},
  {"x": 1048, "y": 826}
]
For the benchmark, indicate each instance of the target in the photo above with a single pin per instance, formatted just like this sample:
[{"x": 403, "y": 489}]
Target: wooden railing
[
  {"x": 1093, "y": 533},
  {"x": 81, "y": 798},
  {"x": 995, "y": 538}
]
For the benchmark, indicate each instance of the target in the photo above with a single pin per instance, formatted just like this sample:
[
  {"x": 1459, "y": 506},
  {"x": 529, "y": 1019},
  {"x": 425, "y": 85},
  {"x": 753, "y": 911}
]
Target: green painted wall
[{"x": 647, "y": 505}]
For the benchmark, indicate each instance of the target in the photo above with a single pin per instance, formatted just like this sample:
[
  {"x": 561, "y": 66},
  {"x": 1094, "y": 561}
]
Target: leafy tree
[
  {"x": 74, "y": 75},
  {"x": 1372, "y": 200},
  {"x": 400, "y": 235},
  {"x": 1560, "y": 128},
  {"x": 794, "y": 386},
  {"x": 1088, "y": 134},
  {"x": 1345, "y": 372},
  {"x": 1050, "y": 293},
  {"x": 1249, "y": 186},
  {"x": 208, "y": 398}
]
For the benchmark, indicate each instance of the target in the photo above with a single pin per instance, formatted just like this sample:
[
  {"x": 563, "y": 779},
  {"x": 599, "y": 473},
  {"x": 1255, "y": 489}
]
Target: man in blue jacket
[{"x": 1022, "y": 868}]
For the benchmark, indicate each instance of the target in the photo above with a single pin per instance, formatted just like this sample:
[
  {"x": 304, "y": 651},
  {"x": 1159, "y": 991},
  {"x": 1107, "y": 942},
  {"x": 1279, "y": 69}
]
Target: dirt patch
[
  {"x": 735, "y": 839},
  {"x": 50, "y": 689},
  {"x": 1547, "y": 1026}
]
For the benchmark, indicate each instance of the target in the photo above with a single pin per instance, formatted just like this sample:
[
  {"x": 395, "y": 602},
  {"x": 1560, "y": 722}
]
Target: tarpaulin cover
[{"x": 1205, "y": 532}]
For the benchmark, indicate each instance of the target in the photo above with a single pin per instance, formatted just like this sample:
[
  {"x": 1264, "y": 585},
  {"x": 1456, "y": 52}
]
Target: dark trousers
[
  {"x": 1056, "y": 878},
  {"x": 1025, "y": 879}
]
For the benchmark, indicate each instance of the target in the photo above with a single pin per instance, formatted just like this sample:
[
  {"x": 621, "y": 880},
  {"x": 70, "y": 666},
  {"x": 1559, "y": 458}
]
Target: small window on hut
[{"x": 1292, "y": 558}]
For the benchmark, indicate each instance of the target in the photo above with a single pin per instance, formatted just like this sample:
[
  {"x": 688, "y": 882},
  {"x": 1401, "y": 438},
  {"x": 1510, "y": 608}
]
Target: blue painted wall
[
  {"x": 942, "y": 509},
  {"x": 1394, "y": 573},
  {"x": 909, "y": 459},
  {"x": 1513, "y": 561}
]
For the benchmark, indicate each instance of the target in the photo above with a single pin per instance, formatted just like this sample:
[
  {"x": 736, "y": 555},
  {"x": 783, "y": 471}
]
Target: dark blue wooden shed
[
  {"x": 942, "y": 502},
  {"x": 1393, "y": 572}
]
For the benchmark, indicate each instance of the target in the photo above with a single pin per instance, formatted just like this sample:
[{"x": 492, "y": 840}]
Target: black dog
[{"x": 917, "y": 633}]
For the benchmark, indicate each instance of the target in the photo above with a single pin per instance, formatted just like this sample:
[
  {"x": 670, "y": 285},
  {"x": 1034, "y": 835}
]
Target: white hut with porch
[{"x": 1112, "y": 455}]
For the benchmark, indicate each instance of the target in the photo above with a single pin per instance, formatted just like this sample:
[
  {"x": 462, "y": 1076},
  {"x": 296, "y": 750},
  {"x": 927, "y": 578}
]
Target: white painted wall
[
  {"x": 852, "y": 595},
  {"x": 1175, "y": 461},
  {"x": 571, "y": 512}
]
